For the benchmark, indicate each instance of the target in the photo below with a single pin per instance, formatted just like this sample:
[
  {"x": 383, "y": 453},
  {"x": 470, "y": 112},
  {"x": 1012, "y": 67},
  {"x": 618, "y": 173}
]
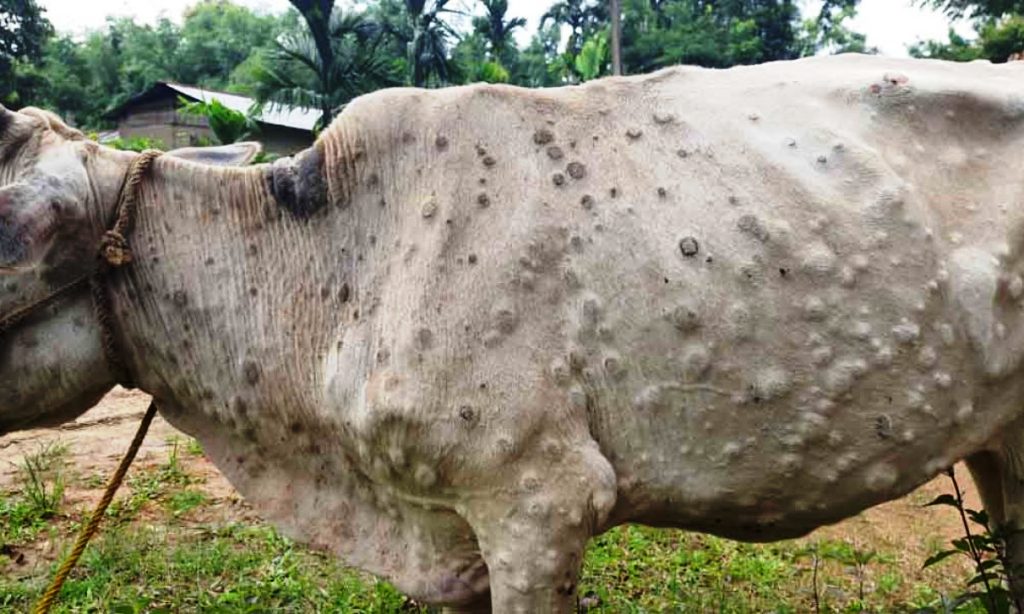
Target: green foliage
[
  {"x": 976, "y": 8},
  {"x": 1002, "y": 38},
  {"x": 657, "y": 34},
  {"x": 319, "y": 56},
  {"x": 493, "y": 72},
  {"x": 138, "y": 143},
  {"x": 583, "y": 18},
  {"x": 42, "y": 479},
  {"x": 830, "y": 34},
  {"x": 498, "y": 31},
  {"x": 82, "y": 80},
  {"x": 160, "y": 555},
  {"x": 26, "y": 512},
  {"x": 228, "y": 126},
  {"x": 593, "y": 58},
  {"x": 24, "y": 32},
  {"x": 957, "y": 49},
  {"x": 997, "y": 40},
  {"x": 472, "y": 63},
  {"x": 215, "y": 37},
  {"x": 427, "y": 40},
  {"x": 324, "y": 65},
  {"x": 986, "y": 549},
  {"x": 540, "y": 64}
]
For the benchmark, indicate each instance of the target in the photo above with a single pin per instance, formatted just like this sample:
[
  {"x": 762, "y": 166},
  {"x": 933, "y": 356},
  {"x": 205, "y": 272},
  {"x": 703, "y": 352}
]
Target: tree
[
  {"x": 997, "y": 40},
  {"x": 428, "y": 42},
  {"x": 592, "y": 61},
  {"x": 474, "y": 64},
  {"x": 539, "y": 64},
  {"x": 498, "y": 31},
  {"x": 615, "y": 8},
  {"x": 829, "y": 33},
  {"x": 317, "y": 15},
  {"x": 64, "y": 77},
  {"x": 976, "y": 8},
  {"x": 724, "y": 33},
  {"x": 23, "y": 34},
  {"x": 217, "y": 36},
  {"x": 298, "y": 73},
  {"x": 581, "y": 17},
  {"x": 998, "y": 23},
  {"x": 1002, "y": 38}
]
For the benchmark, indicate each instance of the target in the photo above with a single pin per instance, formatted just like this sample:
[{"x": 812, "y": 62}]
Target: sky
[{"x": 890, "y": 25}]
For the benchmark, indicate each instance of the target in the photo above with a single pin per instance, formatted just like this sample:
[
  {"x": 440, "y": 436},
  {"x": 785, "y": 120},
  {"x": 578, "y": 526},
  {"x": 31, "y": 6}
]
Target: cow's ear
[{"x": 235, "y": 154}]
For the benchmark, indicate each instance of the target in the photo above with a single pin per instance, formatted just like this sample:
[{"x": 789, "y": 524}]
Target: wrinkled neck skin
[
  {"x": 53, "y": 362},
  {"x": 233, "y": 300}
]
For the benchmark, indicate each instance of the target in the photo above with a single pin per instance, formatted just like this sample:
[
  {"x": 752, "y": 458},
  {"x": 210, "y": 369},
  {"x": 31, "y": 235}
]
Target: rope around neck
[{"x": 114, "y": 252}]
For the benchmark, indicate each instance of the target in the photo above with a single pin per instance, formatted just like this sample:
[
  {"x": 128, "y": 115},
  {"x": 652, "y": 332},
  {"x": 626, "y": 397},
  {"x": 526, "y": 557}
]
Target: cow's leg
[
  {"x": 532, "y": 534},
  {"x": 999, "y": 477}
]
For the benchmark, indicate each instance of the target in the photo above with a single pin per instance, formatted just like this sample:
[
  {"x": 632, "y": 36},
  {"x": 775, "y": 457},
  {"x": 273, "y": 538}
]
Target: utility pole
[{"x": 616, "y": 11}]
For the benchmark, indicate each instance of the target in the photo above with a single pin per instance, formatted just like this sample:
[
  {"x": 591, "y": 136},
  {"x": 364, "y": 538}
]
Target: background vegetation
[{"x": 320, "y": 55}]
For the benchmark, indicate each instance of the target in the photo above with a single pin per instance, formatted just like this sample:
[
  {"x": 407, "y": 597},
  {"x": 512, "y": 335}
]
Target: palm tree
[
  {"x": 580, "y": 16},
  {"x": 496, "y": 30},
  {"x": 427, "y": 41},
  {"x": 336, "y": 59}
]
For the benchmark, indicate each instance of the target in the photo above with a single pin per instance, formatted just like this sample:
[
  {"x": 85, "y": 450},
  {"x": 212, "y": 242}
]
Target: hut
[{"x": 155, "y": 113}]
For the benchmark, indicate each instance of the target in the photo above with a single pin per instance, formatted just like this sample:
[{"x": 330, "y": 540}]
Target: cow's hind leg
[
  {"x": 533, "y": 533},
  {"x": 999, "y": 476}
]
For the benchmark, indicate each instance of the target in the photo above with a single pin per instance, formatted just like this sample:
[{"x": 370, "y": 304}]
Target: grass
[
  {"x": 157, "y": 553},
  {"x": 42, "y": 478},
  {"x": 41, "y": 490},
  {"x": 234, "y": 568}
]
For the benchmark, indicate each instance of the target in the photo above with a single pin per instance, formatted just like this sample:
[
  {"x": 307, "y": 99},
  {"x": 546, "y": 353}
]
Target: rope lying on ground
[{"x": 93, "y": 525}]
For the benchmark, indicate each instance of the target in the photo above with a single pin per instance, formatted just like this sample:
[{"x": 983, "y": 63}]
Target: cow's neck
[{"x": 233, "y": 303}]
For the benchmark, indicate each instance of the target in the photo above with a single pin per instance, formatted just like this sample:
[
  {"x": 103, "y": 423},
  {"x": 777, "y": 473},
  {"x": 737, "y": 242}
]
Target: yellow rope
[{"x": 97, "y": 515}]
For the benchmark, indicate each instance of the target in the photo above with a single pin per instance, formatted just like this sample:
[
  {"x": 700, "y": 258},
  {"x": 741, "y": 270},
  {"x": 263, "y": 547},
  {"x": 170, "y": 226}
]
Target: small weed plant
[
  {"x": 985, "y": 547},
  {"x": 27, "y": 511},
  {"x": 42, "y": 479}
]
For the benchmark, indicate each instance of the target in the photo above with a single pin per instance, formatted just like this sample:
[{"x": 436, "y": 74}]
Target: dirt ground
[{"x": 96, "y": 441}]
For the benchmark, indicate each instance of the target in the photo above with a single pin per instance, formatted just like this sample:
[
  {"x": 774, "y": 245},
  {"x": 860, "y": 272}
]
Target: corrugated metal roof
[{"x": 293, "y": 117}]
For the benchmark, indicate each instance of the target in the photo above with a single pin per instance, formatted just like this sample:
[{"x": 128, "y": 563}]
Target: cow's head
[{"x": 58, "y": 192}]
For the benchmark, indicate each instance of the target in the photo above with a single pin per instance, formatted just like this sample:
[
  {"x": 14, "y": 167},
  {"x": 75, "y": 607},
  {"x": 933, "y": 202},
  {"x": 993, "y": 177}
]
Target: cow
[{"x": 470, "y": 328}]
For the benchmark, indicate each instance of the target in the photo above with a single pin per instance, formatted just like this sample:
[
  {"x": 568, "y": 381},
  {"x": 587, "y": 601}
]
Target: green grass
[
  {"x": 244, "y": 568},
  {"x": 154, "y": 555},
  {"x": 152, "y": 485},
  {"x": 25, "y": 513},
  {"x": 234, "y": 568}
]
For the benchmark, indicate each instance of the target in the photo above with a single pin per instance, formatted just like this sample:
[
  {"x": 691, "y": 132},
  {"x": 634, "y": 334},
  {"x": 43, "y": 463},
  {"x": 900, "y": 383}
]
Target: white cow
[{"x": 470, "y": 328}]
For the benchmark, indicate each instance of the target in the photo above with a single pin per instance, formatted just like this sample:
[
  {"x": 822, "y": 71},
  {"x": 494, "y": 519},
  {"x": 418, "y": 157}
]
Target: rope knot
[{"x": 114, "y": 249}]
